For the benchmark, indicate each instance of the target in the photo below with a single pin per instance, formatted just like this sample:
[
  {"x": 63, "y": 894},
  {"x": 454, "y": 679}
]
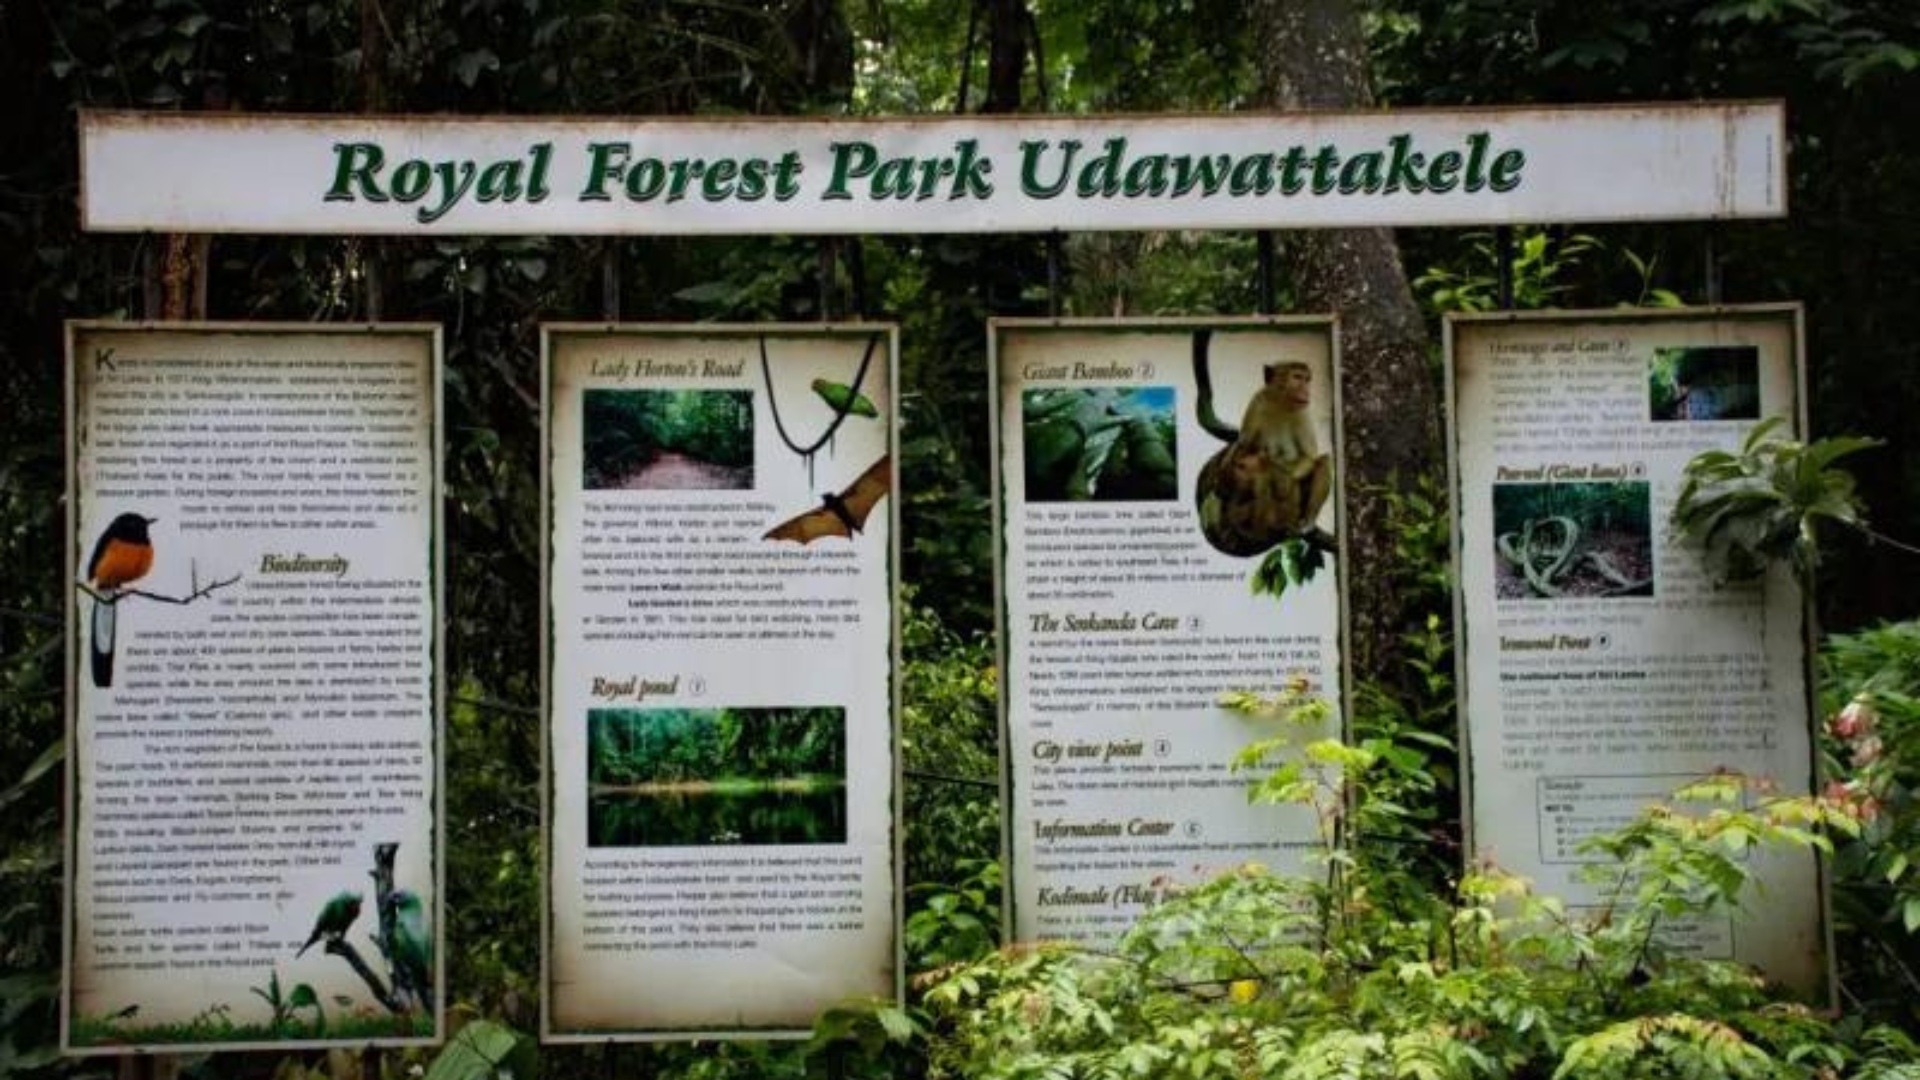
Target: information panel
[
  {"x": 1602, "y": 668},
  {"x": 253, "y": 684},
  {"x": 721, "y": 770},
  {"x": 1149, "y": 473}
]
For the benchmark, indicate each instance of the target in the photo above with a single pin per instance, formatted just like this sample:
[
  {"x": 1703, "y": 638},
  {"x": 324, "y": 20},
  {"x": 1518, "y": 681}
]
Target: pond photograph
[{"x": 701, "y": 777}]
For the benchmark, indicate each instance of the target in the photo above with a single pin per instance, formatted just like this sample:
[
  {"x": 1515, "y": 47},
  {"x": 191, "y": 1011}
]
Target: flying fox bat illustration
[{"x": 839, "y": 515}]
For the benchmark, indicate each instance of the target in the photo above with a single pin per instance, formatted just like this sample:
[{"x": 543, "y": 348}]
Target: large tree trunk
[
  {"x": 1312, "y": 55},
  {"x": 1009, "y": 27}
]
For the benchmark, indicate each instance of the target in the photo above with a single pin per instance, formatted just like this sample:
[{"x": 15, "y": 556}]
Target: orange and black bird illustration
[
  {"x": 839, "y": 515},
  {"x": 122, "y": 556}
]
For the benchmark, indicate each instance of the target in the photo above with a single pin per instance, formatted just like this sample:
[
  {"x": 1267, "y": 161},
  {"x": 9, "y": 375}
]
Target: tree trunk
[
  {"x": 1008, "y": 26},
  {"x": 1312, "y": 55},
  {"x": 822, "y": 47},
  {"x": 373, "y": 99}
]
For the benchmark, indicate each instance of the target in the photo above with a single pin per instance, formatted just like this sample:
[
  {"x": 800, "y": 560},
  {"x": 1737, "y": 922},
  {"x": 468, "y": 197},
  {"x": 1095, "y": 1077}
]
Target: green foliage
[
  {"x": 1417, "y": 521},
  {"x": 1679, "y": 864},
  {"x": 1767, "y": 502},
  {"x": 1318, "y": 774},
  {"x": 668, "y": 746},
  {"x": 1205, "y": 273},
  {"x": 627, "y": 429},
  {"x": 950, "y": 732},
  {"x": 1599, "y": 505},
  {"x": 30, "y": 879},
  {"x": 484, "y": 1050},
  {"x": 1099, "y": 444},
  {"x": 300, "y": 997},
  {"x": 1539, "y": 263},
  {"x": 1848, "y": 44},
  {"x": 1653, "y": 1046},
  {"x": 953, "y": 873},
  {"x": 1870, "y": 682},
  {"x": 1293, "y": 562},
  {"x": 28, "y": 1002},
  {"x": 859, "y": 1035},
  {"x": 958, "y": 921},
  {"x": 1253, "y": 974},
  {"x": 1545, "y": 268},
  {"x": 493, "y": 876},
  {"x": 217, "y": 1024},
  {"x": 1408, "y": 727}
]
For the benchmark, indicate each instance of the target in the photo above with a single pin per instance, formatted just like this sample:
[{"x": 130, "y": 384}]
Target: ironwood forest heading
[{"x": 364, "y": 171}]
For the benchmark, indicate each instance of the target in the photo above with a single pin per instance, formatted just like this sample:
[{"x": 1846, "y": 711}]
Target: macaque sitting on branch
[{"x": 1270, "y": 484}]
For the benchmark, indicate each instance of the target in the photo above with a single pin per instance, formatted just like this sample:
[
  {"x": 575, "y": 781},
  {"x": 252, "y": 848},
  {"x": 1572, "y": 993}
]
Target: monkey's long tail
[{"x": 100, "y": 647}]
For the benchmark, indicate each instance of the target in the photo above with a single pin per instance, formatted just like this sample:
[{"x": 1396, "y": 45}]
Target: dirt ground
[
  {"x": 678, "y": 472},
  {"x": 1630, "y": 553}
]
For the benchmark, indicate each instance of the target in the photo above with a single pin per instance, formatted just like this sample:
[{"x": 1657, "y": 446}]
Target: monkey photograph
[{"x": 1270, "y": 482}]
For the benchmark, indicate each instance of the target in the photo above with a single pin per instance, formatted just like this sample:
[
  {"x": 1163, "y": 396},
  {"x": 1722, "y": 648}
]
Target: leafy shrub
[
  {"x": 1258, "y": 975},
  {"x": 1871, "y": 749},
  {"x": 1767, "y": 502}
]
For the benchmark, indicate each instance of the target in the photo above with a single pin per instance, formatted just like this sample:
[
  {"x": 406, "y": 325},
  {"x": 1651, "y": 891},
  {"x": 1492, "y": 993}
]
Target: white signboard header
[{"x": 498, "y": 175}]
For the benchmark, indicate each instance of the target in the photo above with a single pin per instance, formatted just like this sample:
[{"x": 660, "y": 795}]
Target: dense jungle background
[{"x": 1397, "y": 964}]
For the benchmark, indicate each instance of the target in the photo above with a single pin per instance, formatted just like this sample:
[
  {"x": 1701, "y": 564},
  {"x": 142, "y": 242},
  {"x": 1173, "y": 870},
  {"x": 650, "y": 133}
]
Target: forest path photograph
[
  {"x": 668, "y": 440},
  {"x": 674, "y": 471}
]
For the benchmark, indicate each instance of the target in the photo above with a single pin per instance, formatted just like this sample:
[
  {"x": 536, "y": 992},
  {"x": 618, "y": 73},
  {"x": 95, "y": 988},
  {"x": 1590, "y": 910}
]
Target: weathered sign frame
[
  {"x": 1178, "y": 332},
  {"x": 552, "y": 1030},
  {"x": 1811, "y": 970},
  {"x": 429, "y": 335},
  {"x": 449, "y": 175}
]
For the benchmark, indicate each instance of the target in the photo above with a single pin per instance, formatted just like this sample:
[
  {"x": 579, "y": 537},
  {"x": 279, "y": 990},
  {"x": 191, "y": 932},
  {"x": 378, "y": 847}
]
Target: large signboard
[
  {"x": 369, "y": 175},
  {"x": 253, "y": 519},
  {"x": 1602, "y": 669},
  {"x": 721, "y": 769},
  {"x": 1148, "y": 474}
]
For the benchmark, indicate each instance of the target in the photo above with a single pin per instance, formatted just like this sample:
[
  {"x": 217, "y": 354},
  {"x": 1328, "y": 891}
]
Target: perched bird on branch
[
  {"x": 122, "y": 555},
  {"x": 335, "y": 918},
  {"x": 412, "y": 945}
]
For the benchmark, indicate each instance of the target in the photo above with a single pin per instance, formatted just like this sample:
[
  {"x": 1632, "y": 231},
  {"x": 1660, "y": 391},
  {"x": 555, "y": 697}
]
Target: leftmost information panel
[{"x": 253, "y": 686}]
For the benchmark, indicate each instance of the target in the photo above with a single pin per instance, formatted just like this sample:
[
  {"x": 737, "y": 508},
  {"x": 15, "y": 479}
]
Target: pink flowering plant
[{"x": 1871, "y": 744}]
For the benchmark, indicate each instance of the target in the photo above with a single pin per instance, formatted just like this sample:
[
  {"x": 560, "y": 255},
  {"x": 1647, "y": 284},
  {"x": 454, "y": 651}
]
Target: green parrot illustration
[
  {"x": 412, "y": 944},
  {"x": 843, "y": 398},
  {"x": 335, "y": 918}
]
